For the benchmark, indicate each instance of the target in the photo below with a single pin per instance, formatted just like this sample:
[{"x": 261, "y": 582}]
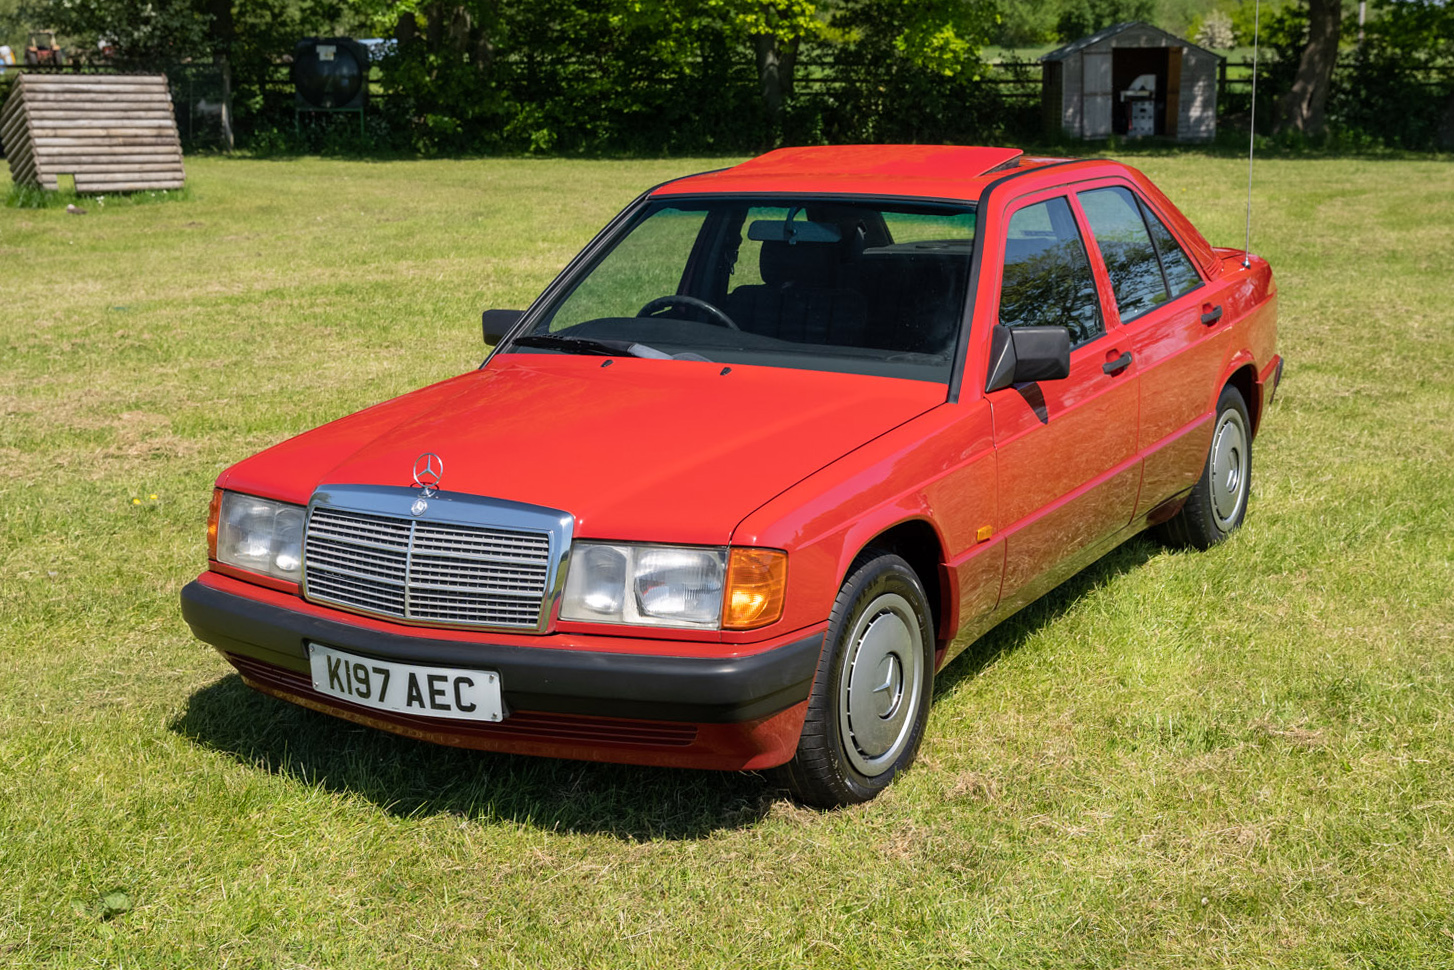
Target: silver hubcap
[
  {"x": 1229, "y": 469},
  {"x": 882, "y": 680}
]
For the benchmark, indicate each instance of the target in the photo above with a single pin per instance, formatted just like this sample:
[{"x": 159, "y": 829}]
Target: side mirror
[
  {"x": 1019, "y": 355},
  {"x": 497, "y": 323}
]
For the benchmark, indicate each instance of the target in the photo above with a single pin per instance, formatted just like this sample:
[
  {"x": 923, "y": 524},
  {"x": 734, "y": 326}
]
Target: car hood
[{"x": 667, "y": 451}]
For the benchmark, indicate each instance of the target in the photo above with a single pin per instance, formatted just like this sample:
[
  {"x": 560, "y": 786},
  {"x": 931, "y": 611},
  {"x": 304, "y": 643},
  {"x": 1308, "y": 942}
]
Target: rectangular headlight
[
  {"x": 675, "y": 586},
  {"x": 260, "y": 535}
]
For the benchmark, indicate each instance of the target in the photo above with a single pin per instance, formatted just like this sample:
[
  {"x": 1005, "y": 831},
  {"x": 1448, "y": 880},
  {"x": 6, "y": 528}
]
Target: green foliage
[
  {"x": 1283, "y": 33},
  {"x": 1245, "y": 16},
  {"x": 1397, "y": 88},
  {"x": 1023, "y": 24},
  {"x": 786, "y": 20},
  {"x": 661, "y": 77},
  {"x": 578, "y": 77},
  {"x": 35, "y": 197},
  {"x": 1177, "y": 16},
  {"x": 143, "y": 32},
  {"x": 910, "y": 73},
  {"x": 938, "y": 37},
  {"x": 1034, "y": 23},
  {"x": 665, "y": 76},
  {"x": 115, "y": 903},
  {"x": 1080, "y": 18},
  {"x": 13, "y": 27}
]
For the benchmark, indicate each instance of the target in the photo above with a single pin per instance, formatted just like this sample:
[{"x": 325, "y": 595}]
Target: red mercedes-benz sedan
[{"x": 780, "y": 443}]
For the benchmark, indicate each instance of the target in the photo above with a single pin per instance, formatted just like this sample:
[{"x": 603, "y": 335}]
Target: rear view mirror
[
  {"x": 1019, "y": 355},
  {"x": 497, "y": 323},
  {"x": 774, "y": 230}
]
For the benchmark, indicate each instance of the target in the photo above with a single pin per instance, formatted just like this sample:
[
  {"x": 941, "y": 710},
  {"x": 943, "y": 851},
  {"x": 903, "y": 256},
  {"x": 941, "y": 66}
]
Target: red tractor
[{"x": 42, "y": 49}]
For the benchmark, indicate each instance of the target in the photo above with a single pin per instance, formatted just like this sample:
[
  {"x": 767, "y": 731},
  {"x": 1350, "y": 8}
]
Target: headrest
[{"x": 801, "y": 263}]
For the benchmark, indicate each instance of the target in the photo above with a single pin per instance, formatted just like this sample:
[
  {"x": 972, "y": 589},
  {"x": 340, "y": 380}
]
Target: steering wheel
[{"x": 716, "y": 314}]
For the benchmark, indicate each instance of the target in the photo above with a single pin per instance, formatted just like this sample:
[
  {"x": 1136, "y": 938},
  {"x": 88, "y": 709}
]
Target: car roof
[
  {"x": 911, "y": 171},
  {"x": 931, "y": 172}
]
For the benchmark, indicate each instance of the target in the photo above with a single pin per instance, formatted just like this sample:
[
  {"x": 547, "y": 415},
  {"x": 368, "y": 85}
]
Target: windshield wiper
[
  {"x": 592, "y": 346},
  {"x": 576, "y": 345}
]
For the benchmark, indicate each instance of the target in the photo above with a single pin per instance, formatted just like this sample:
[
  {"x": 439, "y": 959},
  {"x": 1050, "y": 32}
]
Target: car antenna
[{"x": 1252, "y": 131}]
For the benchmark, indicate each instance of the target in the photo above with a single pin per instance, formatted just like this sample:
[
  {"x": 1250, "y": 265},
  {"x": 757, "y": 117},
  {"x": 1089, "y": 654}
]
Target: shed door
[
  {"x": 1096, "y": 90},
  {"x": 1173, "y": 92}
]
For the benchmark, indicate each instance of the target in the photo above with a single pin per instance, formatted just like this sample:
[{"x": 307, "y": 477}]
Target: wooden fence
[{"x": 196, "y": 88}]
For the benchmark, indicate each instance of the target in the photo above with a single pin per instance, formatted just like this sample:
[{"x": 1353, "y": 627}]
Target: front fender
[{"x": 937, "y": 469}]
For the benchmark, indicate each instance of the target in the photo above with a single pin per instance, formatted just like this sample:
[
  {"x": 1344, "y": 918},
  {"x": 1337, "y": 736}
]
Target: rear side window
[
  {"x": 1047, "y": 279},
  {"x": 1181, "y": 276},
  {"x": 909, "y": 227},
  {"x": 1125, "y": 245}
]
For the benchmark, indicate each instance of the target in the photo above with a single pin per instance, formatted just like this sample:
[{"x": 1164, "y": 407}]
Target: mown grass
[
  {"x": 32, "y": 196},
  {"x": 1238, "y": 758}
]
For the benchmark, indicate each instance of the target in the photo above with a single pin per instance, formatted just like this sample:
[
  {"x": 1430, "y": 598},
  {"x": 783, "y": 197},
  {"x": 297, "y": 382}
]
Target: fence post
[{"x": 227, "y": 139}]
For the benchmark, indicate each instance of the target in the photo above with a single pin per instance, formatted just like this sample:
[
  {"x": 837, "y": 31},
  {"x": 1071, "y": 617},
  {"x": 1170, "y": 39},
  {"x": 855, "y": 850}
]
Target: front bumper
[{"x": 706, "y": 712}]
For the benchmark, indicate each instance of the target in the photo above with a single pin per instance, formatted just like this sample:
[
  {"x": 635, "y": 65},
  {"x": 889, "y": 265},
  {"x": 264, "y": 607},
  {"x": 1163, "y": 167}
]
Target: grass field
[{"x": 1243, "y": 758}]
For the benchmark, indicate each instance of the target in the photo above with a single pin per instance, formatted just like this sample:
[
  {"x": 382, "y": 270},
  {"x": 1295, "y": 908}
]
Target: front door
[{"x": 1066, "y": 449}]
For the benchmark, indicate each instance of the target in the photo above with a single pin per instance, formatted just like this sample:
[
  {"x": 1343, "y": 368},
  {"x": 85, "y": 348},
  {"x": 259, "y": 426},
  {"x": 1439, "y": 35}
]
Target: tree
[
  {"x": 911, "y": 71},
  {"x": 1398, "y": 85},
  {"x": 942, "y": 37},
  {"x": 1303, "y": 108},
  {"x": 12, "y": 27},
  {"x": 223, "y": 32},
  {"x": 1216, "y": 31},
  {"x": 142, "y": 32},
  {"x": 776, "y": 32},
  {"x": 1081, "y": 18}
]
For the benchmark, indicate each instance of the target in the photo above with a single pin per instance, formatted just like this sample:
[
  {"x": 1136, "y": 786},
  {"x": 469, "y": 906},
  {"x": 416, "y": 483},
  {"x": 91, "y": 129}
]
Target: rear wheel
[
  {"x": 1218, "y": 502},
  {"x": 870, "y": 698}
]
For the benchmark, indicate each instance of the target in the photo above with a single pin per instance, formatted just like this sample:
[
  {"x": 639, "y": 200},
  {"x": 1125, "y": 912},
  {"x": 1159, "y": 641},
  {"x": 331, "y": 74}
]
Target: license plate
[{"x": 471, "y": 695}]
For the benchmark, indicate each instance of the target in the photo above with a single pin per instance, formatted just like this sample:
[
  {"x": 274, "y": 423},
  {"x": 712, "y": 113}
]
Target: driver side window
[
  {"x": 647, "y": 264},
  {"x": 1047, "y": 278}
]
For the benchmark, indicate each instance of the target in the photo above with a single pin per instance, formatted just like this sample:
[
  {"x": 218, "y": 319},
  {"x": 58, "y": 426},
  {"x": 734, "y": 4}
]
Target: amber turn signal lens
[
  {"x": 212, "y": 515},
  {"x": 757, "y": 582}
]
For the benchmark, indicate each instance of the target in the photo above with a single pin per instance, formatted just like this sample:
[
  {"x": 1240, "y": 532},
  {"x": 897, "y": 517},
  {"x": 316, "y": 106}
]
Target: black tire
[
  {"x": 859, "y": 734},
  {"x": 1218, "y": 502}
]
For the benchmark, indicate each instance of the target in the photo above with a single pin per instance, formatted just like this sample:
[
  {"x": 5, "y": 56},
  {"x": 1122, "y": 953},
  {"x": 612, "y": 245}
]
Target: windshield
[{"x": 853, "y": 286}]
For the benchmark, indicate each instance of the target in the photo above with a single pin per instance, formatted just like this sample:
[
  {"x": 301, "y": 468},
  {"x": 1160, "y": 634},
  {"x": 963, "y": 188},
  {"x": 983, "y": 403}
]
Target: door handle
[
  {"x": 1117, "y": 365},
  {"x": 1210, "y": 314}
]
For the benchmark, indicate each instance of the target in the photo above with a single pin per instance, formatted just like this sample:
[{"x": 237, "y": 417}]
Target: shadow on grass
[
  {"x": 414, "y": 778},
  {"x": 1013, "y": 632}
]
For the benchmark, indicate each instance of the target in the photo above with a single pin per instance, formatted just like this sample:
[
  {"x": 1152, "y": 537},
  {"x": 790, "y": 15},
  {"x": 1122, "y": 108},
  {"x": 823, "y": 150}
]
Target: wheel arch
[
  {"x": 917, "y": 542},
  {"x": 1244, "y": 379}
]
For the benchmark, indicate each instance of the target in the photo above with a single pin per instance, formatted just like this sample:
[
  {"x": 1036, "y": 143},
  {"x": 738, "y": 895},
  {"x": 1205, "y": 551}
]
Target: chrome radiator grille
[{"x": 426, "y": 572}]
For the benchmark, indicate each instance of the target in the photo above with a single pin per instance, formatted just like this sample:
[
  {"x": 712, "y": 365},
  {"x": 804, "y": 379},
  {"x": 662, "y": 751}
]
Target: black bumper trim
[{"x": 697, "y": 689}]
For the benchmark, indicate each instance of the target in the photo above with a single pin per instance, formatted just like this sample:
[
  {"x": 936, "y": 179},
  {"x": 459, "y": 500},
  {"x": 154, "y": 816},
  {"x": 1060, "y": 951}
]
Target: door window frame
[
  {"x": 1098, "y": 272},
  {"x": 1099, "y": 263}
]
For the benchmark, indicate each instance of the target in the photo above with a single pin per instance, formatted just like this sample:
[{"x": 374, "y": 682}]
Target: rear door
[
  {"x": 1066, "y": 449},
  {"x": 1171, "y": 317}
]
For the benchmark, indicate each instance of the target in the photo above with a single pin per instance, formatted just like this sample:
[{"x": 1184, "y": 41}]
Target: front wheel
[
  {"x": 1218, "y": 502},
  {"x": 870, "y": 698}
]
